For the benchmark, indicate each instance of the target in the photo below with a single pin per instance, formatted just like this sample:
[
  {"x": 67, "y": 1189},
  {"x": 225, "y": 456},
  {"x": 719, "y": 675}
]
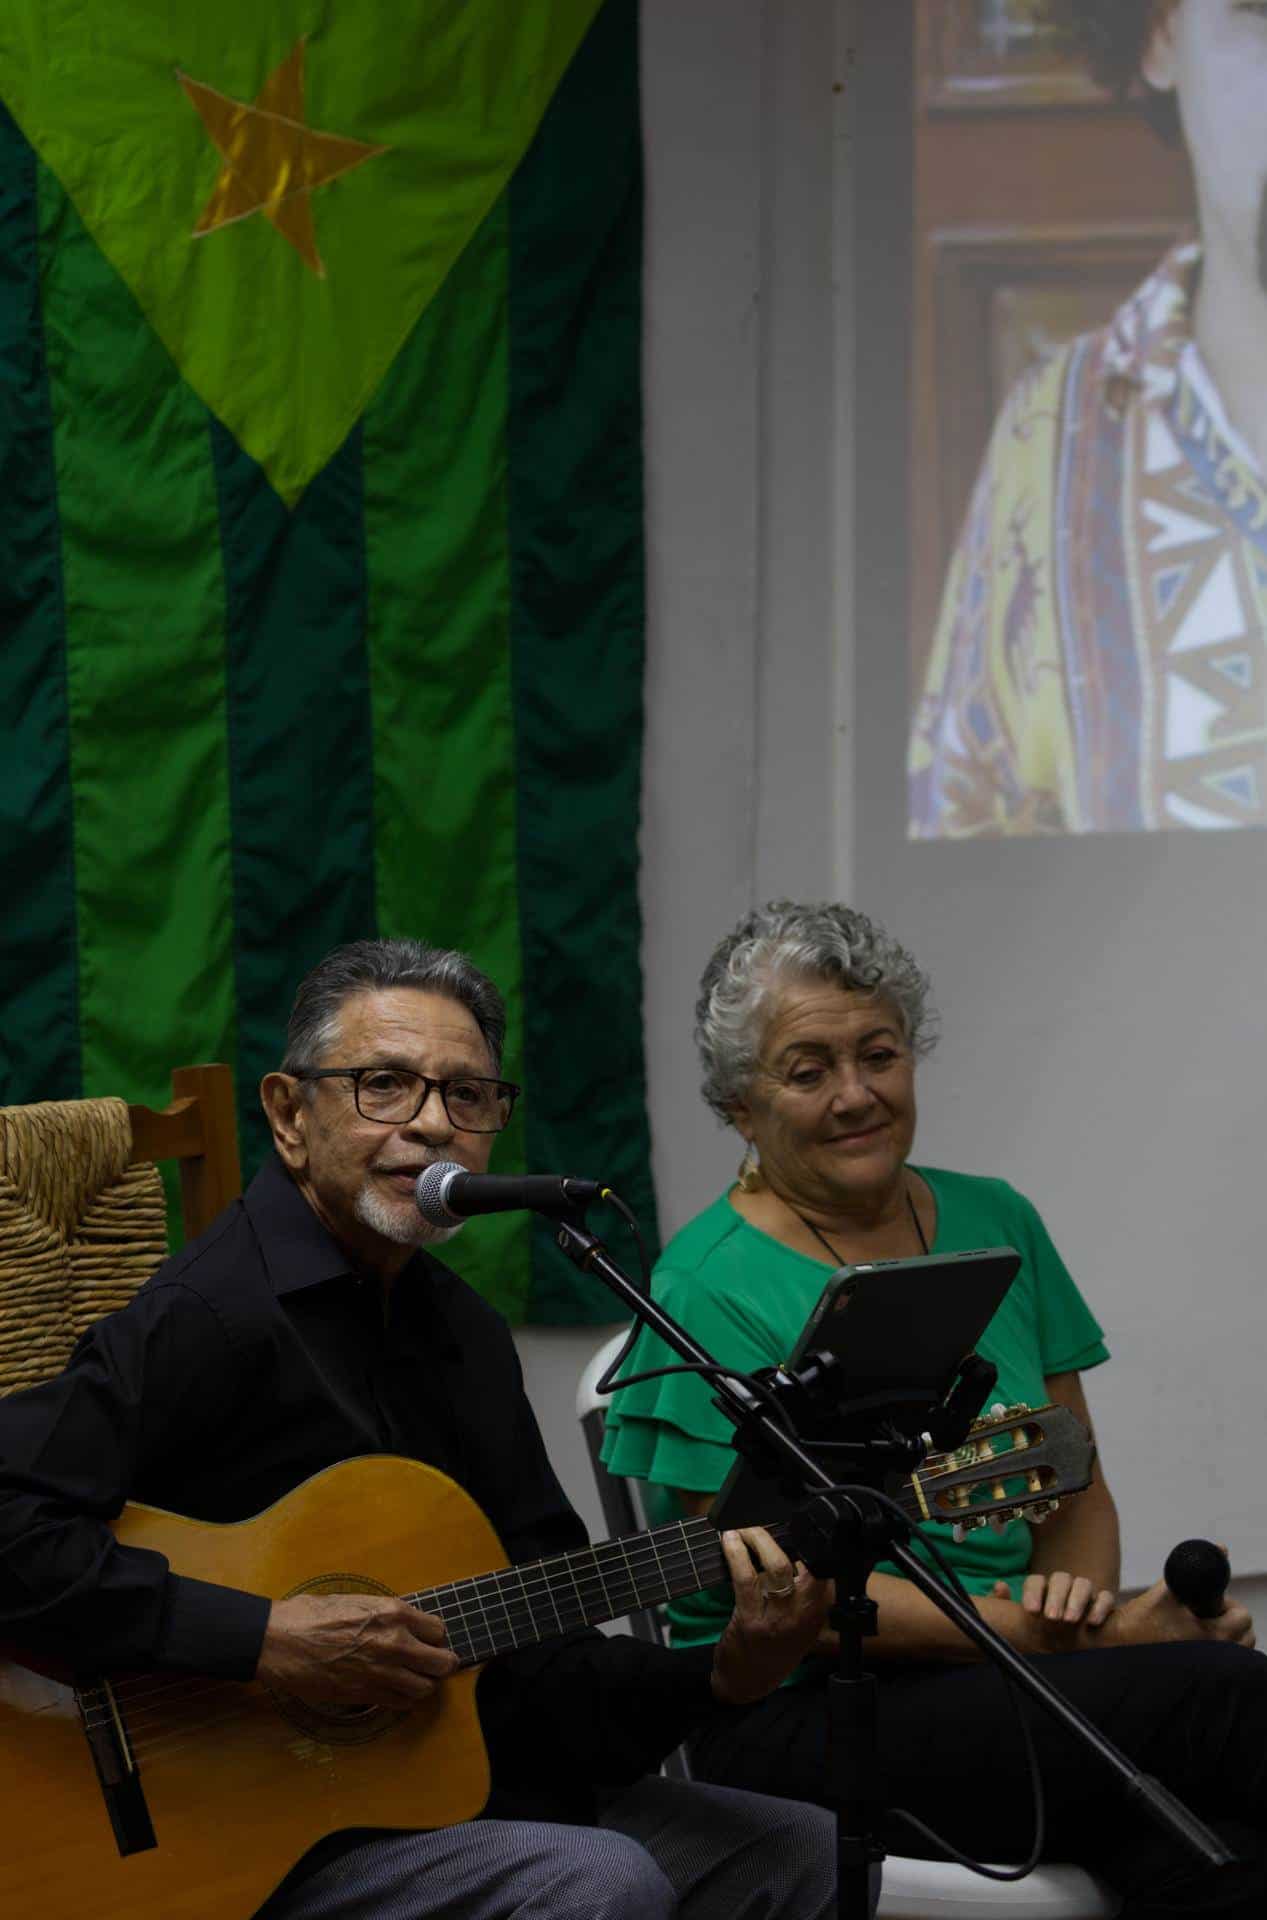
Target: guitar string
[
  {"x": 587, "y": 1561},
  {"x": 473, "y": 1647},
  {"x": 141, "y": 1719},
  {"x": 151, "y": 1744},
  {"x": 472, "y": 1622},
  {"x": 504, "y": 1582},
  {"x": 153, "y": 1686},
  {"x": 516, "y": 1598},
  {"x": 543, "y": 1578},
  {"x": 158, "y": 1740},
  {"x": 681, "y": 1542},
  {"x": 159, "y": 1747},
  {"x": 162, "y": 1747},
  {"x": 619, "y": 1556}
]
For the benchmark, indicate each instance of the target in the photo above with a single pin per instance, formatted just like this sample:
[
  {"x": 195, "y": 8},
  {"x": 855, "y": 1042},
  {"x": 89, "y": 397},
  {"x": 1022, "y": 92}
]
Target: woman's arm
[
  {"x": 1076, "y": 1563},
  {"x": 1070, "y": 1592},
  {"x": 1070, "y": 1598},
  {"x": 912, "y": 1628}
]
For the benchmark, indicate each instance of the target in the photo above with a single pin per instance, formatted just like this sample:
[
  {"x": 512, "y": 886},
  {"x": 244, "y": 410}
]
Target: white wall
[{"x": 745, "y": 770}]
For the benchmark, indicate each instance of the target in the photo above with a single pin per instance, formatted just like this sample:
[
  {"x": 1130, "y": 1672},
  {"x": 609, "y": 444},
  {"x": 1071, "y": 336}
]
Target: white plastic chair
[
  {"x": 912, "y": 1889},
  {"x": 939, "y": 1890},
  {"x": 623, "y": 1509}
]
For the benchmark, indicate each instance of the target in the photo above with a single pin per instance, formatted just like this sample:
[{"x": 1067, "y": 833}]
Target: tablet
[{"x": 899, "y": 1331}]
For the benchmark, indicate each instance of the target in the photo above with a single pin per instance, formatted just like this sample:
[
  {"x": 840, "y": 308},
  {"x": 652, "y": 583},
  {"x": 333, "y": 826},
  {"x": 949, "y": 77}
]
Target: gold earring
[{"x": 750, "y": 1177}]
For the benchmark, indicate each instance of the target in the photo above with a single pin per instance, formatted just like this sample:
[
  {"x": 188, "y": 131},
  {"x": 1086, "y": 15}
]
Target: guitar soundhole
[{"x": 335, "y": 1725}]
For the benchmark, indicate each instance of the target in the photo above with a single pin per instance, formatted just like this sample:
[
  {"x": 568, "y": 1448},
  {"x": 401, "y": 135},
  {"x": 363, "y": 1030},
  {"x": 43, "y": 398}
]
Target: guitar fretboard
[{"x": 518, "y": 1606}]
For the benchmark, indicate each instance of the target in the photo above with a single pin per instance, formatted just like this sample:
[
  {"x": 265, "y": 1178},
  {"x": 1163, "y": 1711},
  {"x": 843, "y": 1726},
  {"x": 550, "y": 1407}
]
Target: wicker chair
[{"x": 83, "y": 1213}]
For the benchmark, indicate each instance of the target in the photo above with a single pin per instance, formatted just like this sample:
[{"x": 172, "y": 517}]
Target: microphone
[
  {"x": 446, "y": 1194},
  {"x": 1197, "y": 1573}
]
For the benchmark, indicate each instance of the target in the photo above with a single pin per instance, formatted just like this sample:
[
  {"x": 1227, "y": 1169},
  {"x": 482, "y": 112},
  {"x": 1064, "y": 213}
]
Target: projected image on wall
[{"x": 1090, "y": 417}]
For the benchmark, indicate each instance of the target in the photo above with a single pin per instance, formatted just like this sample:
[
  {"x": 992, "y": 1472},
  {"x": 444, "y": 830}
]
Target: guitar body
[
  {"x": 175, "y": 1797},
  {"x": 239, "y": 1783}
]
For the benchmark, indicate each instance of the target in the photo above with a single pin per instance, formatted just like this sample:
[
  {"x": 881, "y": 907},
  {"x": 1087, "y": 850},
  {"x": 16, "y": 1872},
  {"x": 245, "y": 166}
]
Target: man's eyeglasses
[{"x": 393, "y": 1096}]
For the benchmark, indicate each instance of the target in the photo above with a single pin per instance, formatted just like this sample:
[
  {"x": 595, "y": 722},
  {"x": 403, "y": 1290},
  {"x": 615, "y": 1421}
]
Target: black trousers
[{"x": 951, "y": 1752}]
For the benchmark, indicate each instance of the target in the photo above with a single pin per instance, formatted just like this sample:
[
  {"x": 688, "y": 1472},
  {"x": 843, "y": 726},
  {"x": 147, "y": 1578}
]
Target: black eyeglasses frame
[{"x": 354, "y": 1074}]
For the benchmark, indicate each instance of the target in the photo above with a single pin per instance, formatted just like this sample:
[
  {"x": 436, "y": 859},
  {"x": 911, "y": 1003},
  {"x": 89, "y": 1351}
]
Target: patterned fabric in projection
[
  {"x": 321, "y": 600},
  {"x": 1101, "y": 660}
]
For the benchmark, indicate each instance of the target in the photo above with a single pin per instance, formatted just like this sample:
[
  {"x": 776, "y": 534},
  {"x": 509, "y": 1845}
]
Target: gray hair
[
  {"x": 822, "y": 941},
  {"x": 375, "y": 966}
]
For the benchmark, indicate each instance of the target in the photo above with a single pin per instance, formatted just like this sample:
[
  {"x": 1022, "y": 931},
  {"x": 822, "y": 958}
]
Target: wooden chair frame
[{"x": 198, "y": 1129}]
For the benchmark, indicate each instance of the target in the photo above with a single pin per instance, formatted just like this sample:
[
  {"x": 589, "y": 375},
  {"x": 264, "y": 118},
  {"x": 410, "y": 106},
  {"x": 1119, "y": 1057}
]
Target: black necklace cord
[{"x": 821, "y": 1237}]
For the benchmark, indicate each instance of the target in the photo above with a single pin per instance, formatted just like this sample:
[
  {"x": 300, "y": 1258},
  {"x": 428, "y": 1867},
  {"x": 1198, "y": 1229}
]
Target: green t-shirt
[{"x": 746, "y": 1297}]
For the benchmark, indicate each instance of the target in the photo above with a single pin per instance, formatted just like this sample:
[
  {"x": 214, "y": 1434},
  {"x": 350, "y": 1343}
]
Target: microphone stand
[{"x": 841, "y": 1536}]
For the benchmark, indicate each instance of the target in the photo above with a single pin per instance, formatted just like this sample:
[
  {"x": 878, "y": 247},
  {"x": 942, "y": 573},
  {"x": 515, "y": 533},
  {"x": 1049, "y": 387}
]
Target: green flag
[{"x": 320, "y": 559}]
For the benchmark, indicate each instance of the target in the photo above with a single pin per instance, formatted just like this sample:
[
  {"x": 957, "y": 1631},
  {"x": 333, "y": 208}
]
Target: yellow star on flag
[{"x": 273, "y": 162}]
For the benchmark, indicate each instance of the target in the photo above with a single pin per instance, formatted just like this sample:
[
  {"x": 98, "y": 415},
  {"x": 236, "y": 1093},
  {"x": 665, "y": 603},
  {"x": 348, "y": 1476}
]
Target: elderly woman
[{"x": 809, "y": 1023}]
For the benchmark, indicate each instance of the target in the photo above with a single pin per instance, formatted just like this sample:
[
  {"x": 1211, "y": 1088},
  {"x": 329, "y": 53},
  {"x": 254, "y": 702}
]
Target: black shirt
[{"x": 253, "y": 1359}]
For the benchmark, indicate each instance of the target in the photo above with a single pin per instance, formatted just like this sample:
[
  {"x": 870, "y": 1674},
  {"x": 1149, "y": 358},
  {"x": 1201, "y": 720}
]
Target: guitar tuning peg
[
  {"x": 999, "y": 1522},
  {"x": 959, "y": 1533},
  {"x": 998, "y": 1410}
]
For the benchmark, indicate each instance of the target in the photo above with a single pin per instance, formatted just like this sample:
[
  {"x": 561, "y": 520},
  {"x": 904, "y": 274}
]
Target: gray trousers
[{"x": 666, "y": 1847}]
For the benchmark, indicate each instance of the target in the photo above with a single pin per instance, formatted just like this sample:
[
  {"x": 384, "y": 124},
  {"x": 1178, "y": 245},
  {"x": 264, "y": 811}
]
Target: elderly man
[
  {"x": 1099, "y": 662},
  {"x": 310, "y": 1325}
]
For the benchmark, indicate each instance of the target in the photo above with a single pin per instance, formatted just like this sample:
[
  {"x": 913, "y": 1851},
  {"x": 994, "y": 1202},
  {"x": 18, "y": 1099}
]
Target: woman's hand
[
  {"x": 1156, "y": 1615},
  {"x": 1095, "y": 1618},
  {"x": 1067, "y": 1599}
]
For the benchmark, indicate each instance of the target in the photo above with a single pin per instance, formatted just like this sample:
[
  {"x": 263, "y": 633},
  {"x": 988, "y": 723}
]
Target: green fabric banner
[{"x": 320, "y": 558}]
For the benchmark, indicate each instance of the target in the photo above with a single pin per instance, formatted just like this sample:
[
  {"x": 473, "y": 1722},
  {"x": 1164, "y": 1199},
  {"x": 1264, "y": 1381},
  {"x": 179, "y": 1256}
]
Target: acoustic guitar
[{"x": 170, "y": 1796}]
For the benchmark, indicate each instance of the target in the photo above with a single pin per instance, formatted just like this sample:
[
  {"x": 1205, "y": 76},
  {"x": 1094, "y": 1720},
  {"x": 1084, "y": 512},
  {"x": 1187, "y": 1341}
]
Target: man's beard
[{"x": 407, "y": 1229}]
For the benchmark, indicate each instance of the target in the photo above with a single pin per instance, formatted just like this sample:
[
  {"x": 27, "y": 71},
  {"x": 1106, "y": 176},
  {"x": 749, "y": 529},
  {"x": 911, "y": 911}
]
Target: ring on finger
[{"x": 779, "y": 1593}]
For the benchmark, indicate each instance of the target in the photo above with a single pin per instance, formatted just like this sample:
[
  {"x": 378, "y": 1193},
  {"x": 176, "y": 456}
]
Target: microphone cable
[
  {"x": 630, "y": 1218},
  {"x": 949, "y": 1577}
]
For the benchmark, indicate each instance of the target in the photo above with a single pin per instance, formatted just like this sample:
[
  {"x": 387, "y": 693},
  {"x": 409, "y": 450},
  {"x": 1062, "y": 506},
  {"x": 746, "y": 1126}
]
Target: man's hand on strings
[{"x": 354, "y": 1649}]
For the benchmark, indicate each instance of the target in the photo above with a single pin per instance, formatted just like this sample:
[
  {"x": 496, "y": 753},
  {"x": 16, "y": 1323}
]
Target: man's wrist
[
  {"x": 211, "y": 1629},
  {"x": 726, "y": 1687},
  {"x": 722, "y": 1688}
]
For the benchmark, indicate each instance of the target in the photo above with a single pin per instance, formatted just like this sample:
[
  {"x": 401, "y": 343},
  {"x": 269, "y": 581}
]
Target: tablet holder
[
  {"x": 840, "y": 1534},
  {"x": 811, "y": 1398}
]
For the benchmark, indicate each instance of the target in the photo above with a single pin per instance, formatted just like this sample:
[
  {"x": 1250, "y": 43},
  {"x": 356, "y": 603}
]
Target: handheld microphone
[
  {"x": 1197, "y": 1573},
  {"x": 446, "y": 1194}
]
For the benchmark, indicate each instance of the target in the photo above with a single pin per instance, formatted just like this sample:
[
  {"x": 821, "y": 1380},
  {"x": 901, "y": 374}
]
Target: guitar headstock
[{"x": 1016, "y": 1460}]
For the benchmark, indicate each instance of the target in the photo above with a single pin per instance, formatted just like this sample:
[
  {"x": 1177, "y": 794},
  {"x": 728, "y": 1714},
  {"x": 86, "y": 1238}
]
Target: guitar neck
[
  {"x": 1048, "y": 1454},
  {"x": 541, "y": 1599}
]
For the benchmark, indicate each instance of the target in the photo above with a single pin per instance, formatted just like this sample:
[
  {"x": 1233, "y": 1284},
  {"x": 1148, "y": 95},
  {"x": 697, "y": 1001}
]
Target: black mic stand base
[{"x": 853, "y": 1722}]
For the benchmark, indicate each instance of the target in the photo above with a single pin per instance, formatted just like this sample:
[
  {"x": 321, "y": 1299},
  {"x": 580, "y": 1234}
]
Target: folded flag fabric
[{"x": 321, "y": 598}]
